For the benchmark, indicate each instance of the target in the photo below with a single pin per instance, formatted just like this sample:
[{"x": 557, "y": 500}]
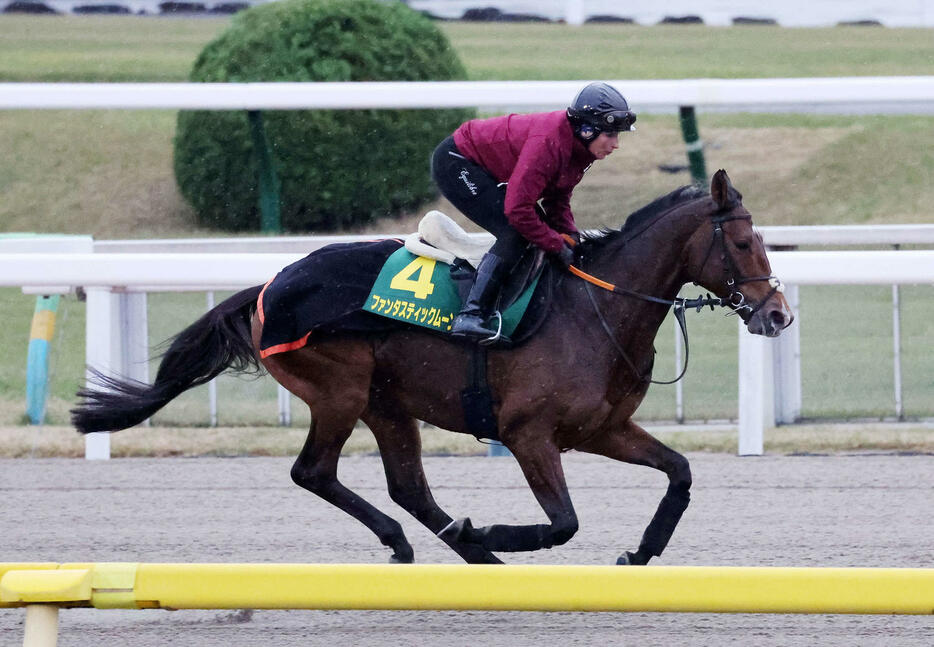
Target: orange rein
[{"x": 584, "y": 275}]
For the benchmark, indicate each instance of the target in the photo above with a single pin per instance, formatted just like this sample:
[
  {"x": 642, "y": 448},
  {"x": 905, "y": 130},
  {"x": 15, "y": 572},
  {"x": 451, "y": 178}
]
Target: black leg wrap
[
  {"x": 511, "y": 539},
  {"x": 666, "y": 518}
]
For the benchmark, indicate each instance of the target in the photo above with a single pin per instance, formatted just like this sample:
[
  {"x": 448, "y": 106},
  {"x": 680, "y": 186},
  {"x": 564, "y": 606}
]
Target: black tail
[{"x": 219, "y": 340}]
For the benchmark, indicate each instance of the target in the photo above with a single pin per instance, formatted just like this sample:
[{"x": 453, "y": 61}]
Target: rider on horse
[{"x": 514, "y": 175}]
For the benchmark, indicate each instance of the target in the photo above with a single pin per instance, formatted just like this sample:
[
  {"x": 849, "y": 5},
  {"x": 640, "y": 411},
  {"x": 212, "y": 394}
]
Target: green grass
[
  {"x": 553, "y": 52},
  {"x": 108, "y": 173},
  {"x": 113, "y": 48},
  {"x": 127, "y": 48}
]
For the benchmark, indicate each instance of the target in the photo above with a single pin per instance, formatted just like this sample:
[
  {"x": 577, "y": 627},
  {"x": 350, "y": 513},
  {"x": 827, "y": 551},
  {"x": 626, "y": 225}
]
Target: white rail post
[
  {"x": 284, "y": 398},
  {"x": 897, "y": 348},
  {"x": 756, "y": 407},
  {"x": 897, "y": 351},
  {"x": 679, "y": 385},
  {"x": 574, "y": 12},
  {"x": 103, "y": 346},
  {"x": 41, "y": 628},
  {"x": 116, "y": 344},
  {"x": 134, "y": 337},
  {"x": 212, "y": 385},
  {"x": 787, "y": 362}
]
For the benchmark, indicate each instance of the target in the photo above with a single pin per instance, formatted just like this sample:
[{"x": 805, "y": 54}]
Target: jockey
[{"x": 514, "y": 175}]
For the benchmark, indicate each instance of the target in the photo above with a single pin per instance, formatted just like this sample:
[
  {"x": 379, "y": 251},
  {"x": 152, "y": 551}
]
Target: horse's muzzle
[{"x": 772, "y": 318}]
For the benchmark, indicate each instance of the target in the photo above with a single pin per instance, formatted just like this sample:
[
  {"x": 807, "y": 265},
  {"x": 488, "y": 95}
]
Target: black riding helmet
[{"x": 599, "y": 108}]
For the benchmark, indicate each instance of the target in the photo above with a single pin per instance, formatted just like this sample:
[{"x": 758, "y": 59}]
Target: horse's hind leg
[
  {"x": 334, "y": 380},
  {"x": 633, "y": 444},
  {"x": 315, "y": 469},
  {"x": 540, "y": 461},
  {"x": 400, "y": 447}
]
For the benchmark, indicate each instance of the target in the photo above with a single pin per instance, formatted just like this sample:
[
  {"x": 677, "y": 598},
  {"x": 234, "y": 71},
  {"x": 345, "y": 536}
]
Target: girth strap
[{"x": 477, "y": 399}]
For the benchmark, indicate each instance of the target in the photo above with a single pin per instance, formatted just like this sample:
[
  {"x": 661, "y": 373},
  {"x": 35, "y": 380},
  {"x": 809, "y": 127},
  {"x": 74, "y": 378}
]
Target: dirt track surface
[{"x": 856, "y": 510}]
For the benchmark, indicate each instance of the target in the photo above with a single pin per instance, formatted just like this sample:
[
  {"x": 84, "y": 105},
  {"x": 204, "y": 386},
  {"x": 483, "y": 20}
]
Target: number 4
[{"x": 421, "y": 286}]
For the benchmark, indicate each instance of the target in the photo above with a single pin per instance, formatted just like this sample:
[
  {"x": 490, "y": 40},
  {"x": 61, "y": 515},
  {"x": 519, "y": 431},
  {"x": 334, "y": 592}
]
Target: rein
[
  {"x": 678, "y": 304},
  {"x": 736, "y": 300}
]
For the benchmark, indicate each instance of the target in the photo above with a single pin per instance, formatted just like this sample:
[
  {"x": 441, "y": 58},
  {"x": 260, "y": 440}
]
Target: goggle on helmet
[{"x": 598, "y": 108}]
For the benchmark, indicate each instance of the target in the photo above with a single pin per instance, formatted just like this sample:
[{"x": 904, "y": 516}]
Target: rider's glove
[{"x": 565, "y": 256}]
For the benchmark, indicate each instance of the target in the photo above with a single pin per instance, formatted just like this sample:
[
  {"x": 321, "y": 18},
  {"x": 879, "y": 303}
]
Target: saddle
[{"x": 442, "y": 239}]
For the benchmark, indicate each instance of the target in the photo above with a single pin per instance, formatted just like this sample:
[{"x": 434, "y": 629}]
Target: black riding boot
[{"x": 479, "y": 305}]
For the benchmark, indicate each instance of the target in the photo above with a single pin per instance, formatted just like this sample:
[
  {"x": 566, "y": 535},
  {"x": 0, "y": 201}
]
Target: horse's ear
[{"x": 722, "y": 191}]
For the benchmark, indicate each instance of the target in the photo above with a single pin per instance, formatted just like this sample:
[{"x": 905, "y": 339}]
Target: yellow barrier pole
[
  {"x": 503, "y": 588},
  {"x": 41, "y": 628},
  {"x": 537, "y": 588}
]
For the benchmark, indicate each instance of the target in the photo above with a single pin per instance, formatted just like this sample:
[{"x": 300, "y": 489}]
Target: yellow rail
[{"x": 504, "y": 588}]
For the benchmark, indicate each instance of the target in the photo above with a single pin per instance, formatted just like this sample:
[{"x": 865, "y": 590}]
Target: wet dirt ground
[{"x": 873, "y": 510}]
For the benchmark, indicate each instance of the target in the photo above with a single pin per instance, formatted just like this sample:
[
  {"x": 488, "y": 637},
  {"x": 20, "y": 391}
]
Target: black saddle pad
[{"x": 323, "y": 292}]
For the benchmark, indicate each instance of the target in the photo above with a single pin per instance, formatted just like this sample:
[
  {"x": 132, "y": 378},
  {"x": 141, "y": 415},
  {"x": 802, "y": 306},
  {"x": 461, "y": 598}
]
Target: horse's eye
[{"x": 742, "y": 245}]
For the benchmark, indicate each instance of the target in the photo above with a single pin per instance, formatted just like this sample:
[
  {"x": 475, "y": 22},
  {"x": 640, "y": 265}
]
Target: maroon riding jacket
[{"x": 539, "y": 157}]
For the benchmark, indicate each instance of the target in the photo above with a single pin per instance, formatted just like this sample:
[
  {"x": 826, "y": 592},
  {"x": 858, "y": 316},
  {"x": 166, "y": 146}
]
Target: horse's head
[{"x": 726, "y": 255}]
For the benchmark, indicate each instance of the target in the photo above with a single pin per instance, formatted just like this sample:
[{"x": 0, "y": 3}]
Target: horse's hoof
[
  {"x": 396, "y": 559},
  {"x": 626, "y": 559},
  {"x": 454, "y": 532}
]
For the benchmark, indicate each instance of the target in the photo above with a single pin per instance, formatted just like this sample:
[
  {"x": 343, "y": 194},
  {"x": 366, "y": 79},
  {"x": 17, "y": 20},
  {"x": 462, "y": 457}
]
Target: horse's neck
[{"x": 651, "y": 264}]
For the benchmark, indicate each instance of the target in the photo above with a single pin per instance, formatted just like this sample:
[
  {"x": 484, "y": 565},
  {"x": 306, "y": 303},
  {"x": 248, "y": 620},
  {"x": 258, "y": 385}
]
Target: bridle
[{"x": 736, "y": 300}]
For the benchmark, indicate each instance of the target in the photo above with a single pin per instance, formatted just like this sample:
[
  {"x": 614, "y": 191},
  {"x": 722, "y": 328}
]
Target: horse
[{"x": 575, "y": 384}]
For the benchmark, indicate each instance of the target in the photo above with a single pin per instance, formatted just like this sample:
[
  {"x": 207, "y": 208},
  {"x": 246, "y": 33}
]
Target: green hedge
[{"x": 336, "y": 167}]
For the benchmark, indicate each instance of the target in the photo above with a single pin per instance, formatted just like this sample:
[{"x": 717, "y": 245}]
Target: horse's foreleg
[
  {"x": 400, "y": 447},
  {"x": 632, "y": 444},
  {"x": 541, "y": 463}
]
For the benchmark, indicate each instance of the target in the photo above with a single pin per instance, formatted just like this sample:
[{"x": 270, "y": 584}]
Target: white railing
[
  {"x": 107, "y": 325},
  {"x": 875, "y": 94},
  {"x": 187, "y": 271}
]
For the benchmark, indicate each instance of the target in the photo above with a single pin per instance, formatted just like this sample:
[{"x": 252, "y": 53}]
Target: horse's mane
[{"x": 642, "y": 218}]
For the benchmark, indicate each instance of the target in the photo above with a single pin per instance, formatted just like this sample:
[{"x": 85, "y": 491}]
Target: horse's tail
[{"x": 219, "y": 340}]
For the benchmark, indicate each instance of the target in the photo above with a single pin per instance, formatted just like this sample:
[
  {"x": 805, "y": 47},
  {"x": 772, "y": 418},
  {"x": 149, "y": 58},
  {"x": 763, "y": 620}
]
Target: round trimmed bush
[{"x": 336, "y": 167}]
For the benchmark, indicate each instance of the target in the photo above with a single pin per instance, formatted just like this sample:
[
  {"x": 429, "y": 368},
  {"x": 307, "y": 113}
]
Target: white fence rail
[
  {"x": 171, "y": 272},
  {"x": 108, "y": 332},
  {"x": 877, "y": 94}
]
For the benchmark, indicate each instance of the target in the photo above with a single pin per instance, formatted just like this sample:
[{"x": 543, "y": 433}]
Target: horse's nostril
[{"x": 778, "y": 318}]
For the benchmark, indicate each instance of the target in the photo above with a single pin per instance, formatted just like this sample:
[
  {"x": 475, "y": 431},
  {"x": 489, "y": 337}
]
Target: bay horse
[{"x": 575, "y": 384}]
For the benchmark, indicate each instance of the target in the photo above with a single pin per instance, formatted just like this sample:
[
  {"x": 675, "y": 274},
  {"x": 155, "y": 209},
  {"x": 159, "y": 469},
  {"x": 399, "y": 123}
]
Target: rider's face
[{"x": 603, "y": 145}]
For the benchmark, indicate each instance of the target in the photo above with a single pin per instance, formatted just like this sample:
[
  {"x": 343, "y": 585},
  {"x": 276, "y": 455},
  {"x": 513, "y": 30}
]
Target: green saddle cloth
[{"x": 420, "y": 291}]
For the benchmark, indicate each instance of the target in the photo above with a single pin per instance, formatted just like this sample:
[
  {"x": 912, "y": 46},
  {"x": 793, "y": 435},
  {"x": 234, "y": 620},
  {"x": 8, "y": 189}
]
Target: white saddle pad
[{"x": 441, "y": 238}]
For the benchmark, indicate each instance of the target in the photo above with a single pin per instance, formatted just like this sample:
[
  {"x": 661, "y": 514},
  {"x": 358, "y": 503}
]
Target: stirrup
[{"x": 495, "y": 337}]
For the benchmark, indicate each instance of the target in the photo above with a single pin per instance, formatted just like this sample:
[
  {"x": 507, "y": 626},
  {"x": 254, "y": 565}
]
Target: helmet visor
[{"x": 616, "y": 120}]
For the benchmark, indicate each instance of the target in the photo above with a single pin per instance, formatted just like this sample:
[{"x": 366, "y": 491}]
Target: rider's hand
[{"x": 565, "y": 256}]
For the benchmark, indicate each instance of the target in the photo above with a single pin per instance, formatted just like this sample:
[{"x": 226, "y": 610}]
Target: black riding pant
[{"x": 478, "y": 195}]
